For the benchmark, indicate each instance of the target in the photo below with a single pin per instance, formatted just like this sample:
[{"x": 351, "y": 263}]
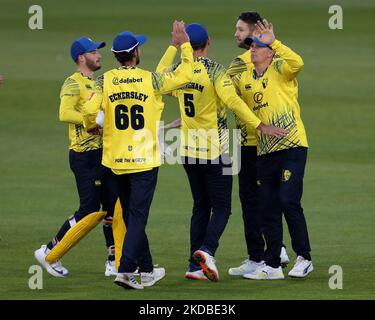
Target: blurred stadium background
[{"x": 37, "y": 189}]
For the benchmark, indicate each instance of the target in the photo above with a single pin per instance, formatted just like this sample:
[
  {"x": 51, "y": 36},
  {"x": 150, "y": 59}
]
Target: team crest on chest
[{"x": 265, "y": 83}]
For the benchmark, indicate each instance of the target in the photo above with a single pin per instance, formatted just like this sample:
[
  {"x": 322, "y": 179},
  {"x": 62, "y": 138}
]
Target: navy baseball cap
[
  {"x": 84, "y": 45},
  {"x": 197, "y": 33},
  {"x": 250, "y": 40},
  {"x": 126, "y": 42}
]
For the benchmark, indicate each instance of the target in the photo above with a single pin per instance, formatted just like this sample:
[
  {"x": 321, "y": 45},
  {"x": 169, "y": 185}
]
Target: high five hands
[
  {"x": 179, "y": 35},
  {"x": 264, "y": 32}
]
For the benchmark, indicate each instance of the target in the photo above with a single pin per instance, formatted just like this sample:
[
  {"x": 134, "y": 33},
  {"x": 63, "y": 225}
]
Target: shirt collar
[{"x": 255, "y": 76}]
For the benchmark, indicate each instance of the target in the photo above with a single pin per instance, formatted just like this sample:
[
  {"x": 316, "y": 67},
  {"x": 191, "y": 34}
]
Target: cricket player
[
  {"x": 131, "y": 100},
  {"x": 85, "y": 154},
  {"x": 270, "y": 89},
  {"x": 245, "y": 27},
  {"x": 205, "y": 149}
]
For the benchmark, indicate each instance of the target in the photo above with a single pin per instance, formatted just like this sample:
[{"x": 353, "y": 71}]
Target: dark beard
[
  {"x": 244, "y": 46},
  {"x": 92, "y": 66},
  {"x": 137, "y": 61}
]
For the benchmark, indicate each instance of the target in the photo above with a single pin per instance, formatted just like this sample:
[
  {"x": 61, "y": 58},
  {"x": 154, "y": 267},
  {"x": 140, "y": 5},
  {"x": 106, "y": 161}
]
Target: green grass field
[{"x": 37, "y": 188}]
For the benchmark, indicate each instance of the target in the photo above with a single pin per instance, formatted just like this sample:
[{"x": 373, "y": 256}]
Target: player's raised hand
[
  {"x": 173, "y": 33},
  {"x": 179, "y": 32},
  {"x": 264, "y": 31}
]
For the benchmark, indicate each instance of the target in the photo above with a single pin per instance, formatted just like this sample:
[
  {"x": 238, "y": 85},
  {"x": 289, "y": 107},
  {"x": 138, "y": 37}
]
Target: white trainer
[
  {"x": 207, "y": 263},
  {"x": 247, "y": 266},
  {"x": 195, "y": 275},
  {"x": 266, "y": 273},
  {"x": 110, "y": 268},
  {"x": 284, "y": 259},
  {"x": 301, "y": 268},
  {"x": 127, "y": 281},
  {"x": 148, "y": 279},
  {"x": 56, "y": 269}
]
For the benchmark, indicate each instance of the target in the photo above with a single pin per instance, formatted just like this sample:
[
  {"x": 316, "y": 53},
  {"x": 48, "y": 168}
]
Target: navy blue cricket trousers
[
  {"x": 247, "y": 182},
  {"x": 212, "y": 195},
  {"x": 136, "y": 191},
  {"x": 280, "y": 185}
]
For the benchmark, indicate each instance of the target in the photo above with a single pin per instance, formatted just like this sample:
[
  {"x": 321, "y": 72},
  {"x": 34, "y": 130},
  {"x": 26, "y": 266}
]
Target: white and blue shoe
[
  {"x": 148, "y": 279},
  {"x": 301, "y": 268},
  {"x": 55, "y": 269},
  {"x": 266, "y": 273},
  {"x": 247, "y": 266},
  {"x": 128, "y": 281},
  {"x": 110, "y": 268}
]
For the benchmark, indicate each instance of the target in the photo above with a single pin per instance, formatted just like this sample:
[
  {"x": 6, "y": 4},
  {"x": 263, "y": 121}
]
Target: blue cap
[
  {"x": 84, "y": 45},
  {"x": 250, "y": 40},
  {"x": 126, "y": 42},
  {"x": 197, "y": 33}
]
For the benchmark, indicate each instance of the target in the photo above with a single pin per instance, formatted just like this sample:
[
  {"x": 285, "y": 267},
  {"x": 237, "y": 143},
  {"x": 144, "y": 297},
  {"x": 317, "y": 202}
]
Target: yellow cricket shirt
[
  {"x": 131, "y": 99},
  {"x": 75, "y": 91},
  {"x": 241, "y": 64},
  {"x": 273, "y": 98},
  {"x": 203, "y": 104}
]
